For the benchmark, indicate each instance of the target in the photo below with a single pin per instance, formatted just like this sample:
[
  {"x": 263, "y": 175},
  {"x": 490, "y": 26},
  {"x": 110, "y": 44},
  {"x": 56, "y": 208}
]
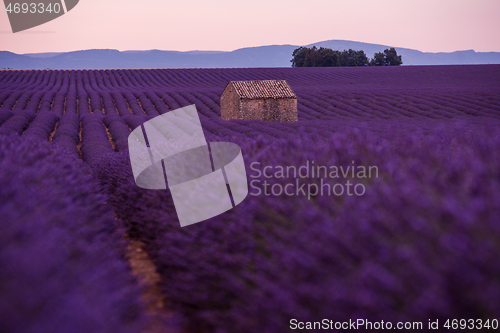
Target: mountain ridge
[{"x": 260, "y": 56}]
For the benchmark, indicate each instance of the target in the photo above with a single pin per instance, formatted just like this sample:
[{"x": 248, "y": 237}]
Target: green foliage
[
  {"x": 314, "y": 57},
  {"x": 392, "y": 58},
  {"x": 378, "y": 59},
  {"x": 352, "y": 58},
  {"x": 388, "y": 58},
  {"x": 299, "y": 56},
  {"x": 325, "y": 57}
]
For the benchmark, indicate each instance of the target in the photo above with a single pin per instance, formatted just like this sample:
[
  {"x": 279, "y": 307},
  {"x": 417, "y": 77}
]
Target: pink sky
[{"x": 426, "y": 25}]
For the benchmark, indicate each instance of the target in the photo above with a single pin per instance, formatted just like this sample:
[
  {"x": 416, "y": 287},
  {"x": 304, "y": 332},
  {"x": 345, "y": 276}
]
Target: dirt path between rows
[{"x": 162, "y": 320}]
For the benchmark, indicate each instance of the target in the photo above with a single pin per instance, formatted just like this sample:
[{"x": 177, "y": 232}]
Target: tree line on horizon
[{"x": 325, "y": 57}]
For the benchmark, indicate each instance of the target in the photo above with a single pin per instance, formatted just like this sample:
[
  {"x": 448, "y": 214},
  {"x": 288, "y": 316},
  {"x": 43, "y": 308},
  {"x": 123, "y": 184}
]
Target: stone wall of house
[
  {"x": 269, "y": 109},
  {"x": 229, "y": 104}
]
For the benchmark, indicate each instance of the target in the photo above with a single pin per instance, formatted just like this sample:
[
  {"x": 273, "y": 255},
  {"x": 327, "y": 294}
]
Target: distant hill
[{"x": 262, "y": 56}]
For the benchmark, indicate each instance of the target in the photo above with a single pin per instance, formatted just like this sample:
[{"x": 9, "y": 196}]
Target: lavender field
[{"x": 421, "y": 243}]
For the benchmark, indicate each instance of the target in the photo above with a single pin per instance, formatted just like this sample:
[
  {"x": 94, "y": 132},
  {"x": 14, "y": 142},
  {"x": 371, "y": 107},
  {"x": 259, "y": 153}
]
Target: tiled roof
[{"x": 263, "y": 89}]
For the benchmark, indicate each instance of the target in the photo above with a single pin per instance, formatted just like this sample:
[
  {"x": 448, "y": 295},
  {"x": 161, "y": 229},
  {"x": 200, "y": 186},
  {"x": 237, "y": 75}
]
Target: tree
[
  {"x": 314, "y": 57},
  {"x": 378, "y": 59},
  {"x": 325, "y": 57},
  {"x": 299, "y": 56},
  {"x": 353, "y": 58},
  {"x": 310, "y": 60},
  {"x": 392, "y": 58},
  {"x": 388, "y": 58}
]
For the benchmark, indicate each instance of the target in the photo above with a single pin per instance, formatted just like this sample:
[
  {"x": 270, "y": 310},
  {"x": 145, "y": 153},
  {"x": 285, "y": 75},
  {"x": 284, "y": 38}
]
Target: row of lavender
[
  {"x": 94, "y": 136},
  {"x": 61, "y": 254},
  {"x": 151, "y": 92},
  {"x": 421, "y": 243},
  {"x": 322, "y": 113},
  {"x": 435, "y": 77}
]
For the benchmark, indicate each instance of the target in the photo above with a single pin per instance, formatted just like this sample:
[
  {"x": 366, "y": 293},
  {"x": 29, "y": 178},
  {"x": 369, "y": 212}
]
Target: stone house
[{"x": 269, "y": 100}]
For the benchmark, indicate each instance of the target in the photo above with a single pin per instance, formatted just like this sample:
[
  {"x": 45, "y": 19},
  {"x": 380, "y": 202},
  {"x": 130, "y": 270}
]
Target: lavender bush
[
  {"x": 421, "y": 243},
  {"x": 61, "y": 257}
]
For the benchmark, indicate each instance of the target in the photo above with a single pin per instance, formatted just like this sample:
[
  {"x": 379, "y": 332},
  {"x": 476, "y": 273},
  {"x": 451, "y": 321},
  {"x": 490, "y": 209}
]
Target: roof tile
[{"x": 263, "y": 89}]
